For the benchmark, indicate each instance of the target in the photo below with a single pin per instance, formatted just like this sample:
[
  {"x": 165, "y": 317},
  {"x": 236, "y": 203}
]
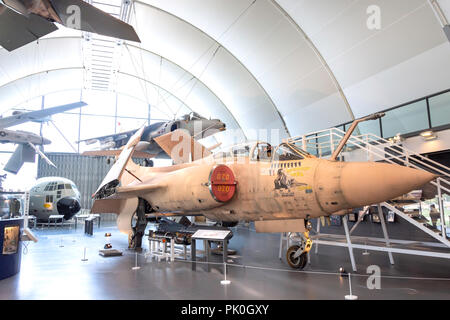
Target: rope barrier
[{"x": 305, "y": 271}]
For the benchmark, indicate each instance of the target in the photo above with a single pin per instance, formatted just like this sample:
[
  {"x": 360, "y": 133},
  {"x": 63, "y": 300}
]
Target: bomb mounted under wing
[
  {"x": 24, "y": 21},
  {"x": 279, "y": 188}
]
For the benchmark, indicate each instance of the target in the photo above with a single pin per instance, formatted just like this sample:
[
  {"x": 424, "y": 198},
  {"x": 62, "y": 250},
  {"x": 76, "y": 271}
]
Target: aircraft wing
[
  {"x": 17, "y": 30},
  {"x": 38, "y": 114},
  {"x": 93, "y": 20},
  {"x": 116, "y": 153},
  {"x": 181, "y": 147},
  {"x": 137, "y": 190},
  {"x": 111, "y": 137}
]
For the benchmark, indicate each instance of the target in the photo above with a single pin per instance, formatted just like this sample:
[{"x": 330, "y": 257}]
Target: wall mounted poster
[{"x": 11, "y": 240}]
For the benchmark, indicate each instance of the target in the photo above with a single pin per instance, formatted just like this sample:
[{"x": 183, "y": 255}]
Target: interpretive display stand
[
  {"x": 158, "y": 249},
  {"x": 210, "y": 235}
]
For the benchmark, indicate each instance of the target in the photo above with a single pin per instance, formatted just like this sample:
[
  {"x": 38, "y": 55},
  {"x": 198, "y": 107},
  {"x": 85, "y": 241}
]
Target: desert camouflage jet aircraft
[{"x": 279, "y": 188}]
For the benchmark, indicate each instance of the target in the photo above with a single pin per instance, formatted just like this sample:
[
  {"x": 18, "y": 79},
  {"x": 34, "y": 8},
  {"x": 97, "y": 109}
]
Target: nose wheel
[{"x": 297, "y": 255}]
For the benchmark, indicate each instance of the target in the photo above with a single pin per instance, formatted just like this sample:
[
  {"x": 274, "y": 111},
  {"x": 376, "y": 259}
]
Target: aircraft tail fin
[
  {"x": 92, "y": 19},
  {"x": 112, "y": 179},
  {"x": 24, "y": 153},
  {"x": 181, "y": 147}
]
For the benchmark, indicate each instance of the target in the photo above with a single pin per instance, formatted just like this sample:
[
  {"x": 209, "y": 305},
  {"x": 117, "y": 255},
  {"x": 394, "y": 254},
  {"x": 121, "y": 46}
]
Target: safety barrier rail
[{"x": 374, "y": 148}]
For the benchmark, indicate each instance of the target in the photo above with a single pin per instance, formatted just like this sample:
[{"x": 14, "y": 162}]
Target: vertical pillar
[
  {"x": 225, "y": 250},
  {"x": 79, "y": 123},
  {"x": 349, "y": 243},
  {"x": 115, "y": 115},
  {"x": 282, "y": 237},
  {"x": 441, "y": 210},
  {"x": 148, "y": 115},
  {"x": 318, "y": 233},
  {"x": 385, "y": 234},
  {"x": 193, "y": 254}
]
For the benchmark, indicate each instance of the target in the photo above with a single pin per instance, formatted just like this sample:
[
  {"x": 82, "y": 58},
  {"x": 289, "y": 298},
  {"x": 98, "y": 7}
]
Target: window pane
[
  {"x": 410, "y": 118},
  {"x": 366, "y": 127},
  {"x": 440, "y": 110}
]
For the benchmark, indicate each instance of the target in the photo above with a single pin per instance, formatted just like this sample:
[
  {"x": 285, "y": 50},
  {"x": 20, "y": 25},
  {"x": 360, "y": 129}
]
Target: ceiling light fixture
[{"x": 428, "y": 135}]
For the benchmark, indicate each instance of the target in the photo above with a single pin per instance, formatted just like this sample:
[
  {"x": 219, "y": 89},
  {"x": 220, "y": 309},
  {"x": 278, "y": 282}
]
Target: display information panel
[{"x": 10, "y": 240}]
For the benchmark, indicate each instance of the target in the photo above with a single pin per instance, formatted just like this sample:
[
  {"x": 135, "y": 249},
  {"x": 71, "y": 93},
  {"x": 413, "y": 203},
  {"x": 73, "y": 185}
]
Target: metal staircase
[{"x": 369, "y": 147}]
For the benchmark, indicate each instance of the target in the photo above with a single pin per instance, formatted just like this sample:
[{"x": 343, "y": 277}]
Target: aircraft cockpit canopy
[
  {"x": 263, "y": 151},
  {"x": 289, "y": 152}
]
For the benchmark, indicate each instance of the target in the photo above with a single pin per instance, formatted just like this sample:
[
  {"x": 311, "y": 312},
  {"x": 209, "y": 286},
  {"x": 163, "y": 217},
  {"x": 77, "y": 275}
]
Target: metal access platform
[{"x": 369, "y": 147}]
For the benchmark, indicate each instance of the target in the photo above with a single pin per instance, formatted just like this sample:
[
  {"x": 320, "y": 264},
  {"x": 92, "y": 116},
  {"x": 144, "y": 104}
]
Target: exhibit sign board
[
  {"x": 211, "y": 234},
  {"x": 10, "y": 246},
  {"x": 10, "y": 239}
]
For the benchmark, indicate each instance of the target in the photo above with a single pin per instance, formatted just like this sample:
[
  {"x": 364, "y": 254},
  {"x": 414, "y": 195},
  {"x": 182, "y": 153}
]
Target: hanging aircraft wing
[
  {"x": 116, "y": 153},
  {"x": 111, "y": 137},
  {"x": 17, "y": 30},
  {"x": 181, "y": 147},
  {"x": 38, "y": 114},
  {"x": 93, "y": 20},
  {"x": 24, "y": 153}
]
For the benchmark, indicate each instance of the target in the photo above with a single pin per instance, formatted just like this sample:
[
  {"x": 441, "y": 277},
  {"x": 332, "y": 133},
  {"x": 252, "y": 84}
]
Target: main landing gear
[
  {"x": 138, "y": 225},
  {"x": 297, "y": 255}
]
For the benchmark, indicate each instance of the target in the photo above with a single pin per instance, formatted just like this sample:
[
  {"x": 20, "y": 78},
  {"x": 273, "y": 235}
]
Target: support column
[
  {"x": 349, "y": 243},
  {"x": 385, "y": 234},
  {"x": 441, "y": 210},
  {"x": 318, "y": 233},
  {"x": 193, "y": 254}
]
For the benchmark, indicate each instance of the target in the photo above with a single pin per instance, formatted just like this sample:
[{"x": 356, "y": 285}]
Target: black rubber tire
[
  {"x": 299, "y": 262},
  {"x": 304, "y": 260},
  {"x": 293, "y": 263}
]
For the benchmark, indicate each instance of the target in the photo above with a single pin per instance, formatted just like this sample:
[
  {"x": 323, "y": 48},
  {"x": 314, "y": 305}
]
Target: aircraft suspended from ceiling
[
  {"x": 197, "y": 126},
  {"x": 24, "y": 21},
  {"x": 28, "y": 141}
]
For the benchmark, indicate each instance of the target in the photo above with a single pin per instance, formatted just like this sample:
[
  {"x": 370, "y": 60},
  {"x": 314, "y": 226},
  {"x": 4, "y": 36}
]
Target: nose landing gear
[{"x": 297, "y": 255}]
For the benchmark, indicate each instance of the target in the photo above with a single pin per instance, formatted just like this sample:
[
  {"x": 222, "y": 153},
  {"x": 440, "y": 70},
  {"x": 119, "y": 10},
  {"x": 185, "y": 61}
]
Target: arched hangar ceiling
[{"x": 293, "y": 65}]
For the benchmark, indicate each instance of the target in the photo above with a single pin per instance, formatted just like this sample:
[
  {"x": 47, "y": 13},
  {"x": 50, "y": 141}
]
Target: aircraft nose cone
[
  {"x": 46, "y": 141},
  {"x": 370, "y": 183},
  {"x": 68, "y": 206}
]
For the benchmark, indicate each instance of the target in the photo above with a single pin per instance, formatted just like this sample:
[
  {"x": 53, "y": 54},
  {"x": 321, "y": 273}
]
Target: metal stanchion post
[
  {"x": 225, "y": 281},
  {"x": 84, "y": 255},
  {"x": 350, "y": 296},
  {"x": 136, "y": 266}
]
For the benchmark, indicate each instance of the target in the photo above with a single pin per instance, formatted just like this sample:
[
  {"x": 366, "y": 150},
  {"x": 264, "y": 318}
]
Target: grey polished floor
[{"x": 52, "y": 269}]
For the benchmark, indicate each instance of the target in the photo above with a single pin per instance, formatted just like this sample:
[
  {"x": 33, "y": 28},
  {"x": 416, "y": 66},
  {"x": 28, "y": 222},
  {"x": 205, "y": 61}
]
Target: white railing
[{"x": 323, "y": 143}]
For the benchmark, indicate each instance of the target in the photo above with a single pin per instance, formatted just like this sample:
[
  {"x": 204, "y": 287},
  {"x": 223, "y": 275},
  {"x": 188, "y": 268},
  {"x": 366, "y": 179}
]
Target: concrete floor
[{"x": 52, "y": 269}]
